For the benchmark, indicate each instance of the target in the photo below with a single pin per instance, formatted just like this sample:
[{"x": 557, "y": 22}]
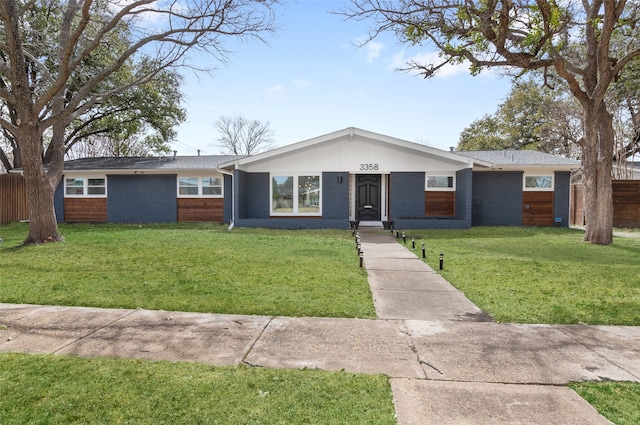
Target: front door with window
[{"x": 368, "y": 197}]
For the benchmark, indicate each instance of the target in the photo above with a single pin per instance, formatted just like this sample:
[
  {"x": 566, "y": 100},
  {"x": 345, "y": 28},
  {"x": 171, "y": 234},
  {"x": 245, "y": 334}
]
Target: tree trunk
[
  {"x": 596, "y": 163},
  {"x": 43, "y": 226}
]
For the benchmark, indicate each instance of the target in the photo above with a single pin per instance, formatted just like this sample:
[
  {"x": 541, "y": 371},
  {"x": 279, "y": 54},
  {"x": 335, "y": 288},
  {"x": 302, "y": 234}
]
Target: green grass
[
  {"x": 617, "y": 401},
  {"x": 533, "y": 275},
  {"x": 199, "y": 268},
  {"x": 516, "y": 274},
  {"x": 67, "y": 390}
]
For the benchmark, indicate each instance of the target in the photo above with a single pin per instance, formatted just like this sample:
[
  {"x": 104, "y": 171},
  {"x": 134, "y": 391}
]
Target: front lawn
[
  {"x": 539, "y": 275},
  {"x": 67, "y": 390},
  {"x": 617, "y": 401},
  {"x": 198, "y": 268}
]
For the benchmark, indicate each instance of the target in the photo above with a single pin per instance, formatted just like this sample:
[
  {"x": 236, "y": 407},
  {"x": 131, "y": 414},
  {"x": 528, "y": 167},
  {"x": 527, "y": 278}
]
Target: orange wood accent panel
[
  {"x": 200, "y": 209},
  {"x": 85, "y": 209},
  {"x": 537, "y": 208},
  {"x": 439, "y": 203}
]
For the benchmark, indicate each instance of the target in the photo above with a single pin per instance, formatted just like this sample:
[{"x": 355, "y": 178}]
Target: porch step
[{"x": 371, "y": 224}]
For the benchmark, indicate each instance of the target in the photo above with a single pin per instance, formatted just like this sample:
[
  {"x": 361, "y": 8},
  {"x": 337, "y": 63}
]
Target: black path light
[
  {"x": 404, "y": 238},
  {"x": 424, "y": 253},
  {"x": 441, "y": 261},
  {"x": 361, "y": 259},
  {"x": 413, "y": 242}
]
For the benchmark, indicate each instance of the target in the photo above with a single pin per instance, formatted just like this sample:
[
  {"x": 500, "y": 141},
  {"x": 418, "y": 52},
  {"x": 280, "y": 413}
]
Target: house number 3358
[{"x": 369, "y": 167}]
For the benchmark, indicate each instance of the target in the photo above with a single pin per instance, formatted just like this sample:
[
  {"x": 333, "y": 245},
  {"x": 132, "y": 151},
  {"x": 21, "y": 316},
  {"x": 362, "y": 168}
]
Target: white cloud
[
  {"x": 275, "y": 90},
  {"x": 373, "y": 51}
]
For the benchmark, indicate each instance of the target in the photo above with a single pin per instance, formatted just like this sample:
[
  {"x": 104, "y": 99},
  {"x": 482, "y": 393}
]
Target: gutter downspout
[{"x": 233, "y": 190}]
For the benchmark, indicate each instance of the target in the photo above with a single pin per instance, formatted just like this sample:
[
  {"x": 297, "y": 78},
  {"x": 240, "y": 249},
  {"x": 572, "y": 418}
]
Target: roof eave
[{"x": 123, "y": 171}]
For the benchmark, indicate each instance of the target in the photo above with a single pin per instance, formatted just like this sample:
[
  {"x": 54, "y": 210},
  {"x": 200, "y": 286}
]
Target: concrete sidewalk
[{"x": 447, "y": 361}]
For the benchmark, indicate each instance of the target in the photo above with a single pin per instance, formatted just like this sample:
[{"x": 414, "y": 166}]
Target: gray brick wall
[
  {"x": 141, "y": 198},
  {"x": 497, "y": 198}
]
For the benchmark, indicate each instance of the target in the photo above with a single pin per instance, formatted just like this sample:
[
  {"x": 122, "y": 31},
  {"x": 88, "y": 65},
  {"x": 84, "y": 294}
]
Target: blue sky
[{"x": 311, "y": 79}]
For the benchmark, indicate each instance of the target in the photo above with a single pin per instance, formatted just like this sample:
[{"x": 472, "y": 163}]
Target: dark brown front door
[{"x": 368, "y": 194}]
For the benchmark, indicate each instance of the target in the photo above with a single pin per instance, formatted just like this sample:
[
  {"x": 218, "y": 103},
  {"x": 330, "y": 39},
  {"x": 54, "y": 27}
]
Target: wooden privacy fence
[
  {"x": 626, "y": 204},
  {"x": 13, "y": 198}
]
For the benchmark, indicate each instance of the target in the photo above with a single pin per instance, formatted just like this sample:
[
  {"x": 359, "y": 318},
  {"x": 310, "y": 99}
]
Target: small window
[
  {"x": 74, "y": 186},
  {"x": 200, "y": 186},
  {"x": 444, "y": 182},
  {"x": 188, "y": 186},
  {"x": 212, "y": 186},
  {"x": 538, "y": 182},
  {"x": 295, "y": 195},
  {"x": 85, "y": 186},
  {"x": 96, "y": 187}
]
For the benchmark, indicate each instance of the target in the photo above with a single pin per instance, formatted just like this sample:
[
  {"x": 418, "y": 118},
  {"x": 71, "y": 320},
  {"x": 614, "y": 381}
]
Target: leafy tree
[
  {"x": 483, "y": 135},
  {"x": 240, "y": 136},
  {"x": 61, "y": 58},
  {"x": 531, "y": 117},
  {"x": 138, "y": 122},
  {"x": 573, "y": 39}
]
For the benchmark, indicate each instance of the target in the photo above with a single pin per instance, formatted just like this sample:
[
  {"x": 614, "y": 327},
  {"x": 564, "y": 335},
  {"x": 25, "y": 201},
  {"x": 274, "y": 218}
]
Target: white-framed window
[
  {"x": 445, "y": 182},
  {"x": 94, "y": 186},
  {"x": 293, "y": 194},
  {"x": 194, "y": 186},
  {"x": 538, "y": 181}
]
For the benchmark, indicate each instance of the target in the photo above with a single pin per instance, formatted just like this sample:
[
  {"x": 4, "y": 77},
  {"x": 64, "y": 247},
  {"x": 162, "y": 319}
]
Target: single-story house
[{"x": 331, "y": 181}]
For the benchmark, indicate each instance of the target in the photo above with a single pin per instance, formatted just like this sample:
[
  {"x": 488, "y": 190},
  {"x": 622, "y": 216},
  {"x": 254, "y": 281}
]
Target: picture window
[{"x": 295, "y": 195}]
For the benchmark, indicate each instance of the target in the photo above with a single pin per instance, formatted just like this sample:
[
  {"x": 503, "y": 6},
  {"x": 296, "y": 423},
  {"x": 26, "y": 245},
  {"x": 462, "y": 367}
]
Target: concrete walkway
[{"x": 447, "y": 361}]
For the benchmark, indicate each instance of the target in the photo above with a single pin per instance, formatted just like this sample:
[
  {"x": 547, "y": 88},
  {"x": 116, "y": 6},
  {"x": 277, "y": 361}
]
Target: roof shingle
[
  {"x": 519, "y": 157},
  {"x": 149, "y": 163}
]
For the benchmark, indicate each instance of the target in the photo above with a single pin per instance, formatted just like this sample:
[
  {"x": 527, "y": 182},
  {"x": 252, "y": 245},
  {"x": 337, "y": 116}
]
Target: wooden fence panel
[
  {"x": 576, "y": 212},
  {"x": 13, "y": 198},
  {"x": 626, "y": 204}
]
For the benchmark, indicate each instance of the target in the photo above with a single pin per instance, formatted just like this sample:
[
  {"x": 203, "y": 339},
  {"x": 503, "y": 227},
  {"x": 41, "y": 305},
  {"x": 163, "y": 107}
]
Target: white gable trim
[{"x": 351, "y": 134}]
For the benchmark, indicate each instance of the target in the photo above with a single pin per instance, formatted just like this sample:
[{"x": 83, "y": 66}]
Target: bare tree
[
  {"x": 574, "y": 39},
  {"x": 240, "y": 136},
  {"x": 49, "y": 77}
]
